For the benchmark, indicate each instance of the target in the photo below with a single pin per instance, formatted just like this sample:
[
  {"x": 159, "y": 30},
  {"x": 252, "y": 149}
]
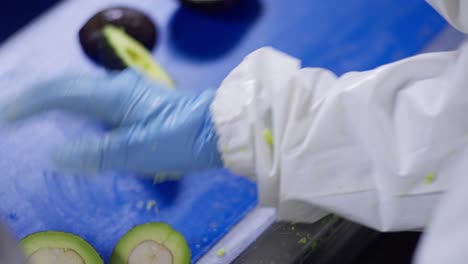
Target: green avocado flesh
[
  {"x": 135, "y": 55},
  {"x": 152, "y": 243},
  {"x": 58, "y": 248}
]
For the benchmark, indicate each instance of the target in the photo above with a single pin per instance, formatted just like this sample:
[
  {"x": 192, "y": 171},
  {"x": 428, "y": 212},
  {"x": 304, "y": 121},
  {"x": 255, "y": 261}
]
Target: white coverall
[{"x": 386, "y": 148}]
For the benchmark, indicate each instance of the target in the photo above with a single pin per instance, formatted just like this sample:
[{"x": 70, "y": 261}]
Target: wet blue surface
[{"x": 199, "y": 51}]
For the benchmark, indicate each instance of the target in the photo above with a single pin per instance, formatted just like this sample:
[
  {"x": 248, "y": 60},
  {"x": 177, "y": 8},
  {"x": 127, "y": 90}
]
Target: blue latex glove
[{"x": 156, "y": 130}]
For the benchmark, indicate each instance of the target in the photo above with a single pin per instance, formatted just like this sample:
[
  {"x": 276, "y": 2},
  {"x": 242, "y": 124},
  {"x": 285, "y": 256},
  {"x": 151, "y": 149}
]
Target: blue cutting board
[{"x": 199, "y": 51}]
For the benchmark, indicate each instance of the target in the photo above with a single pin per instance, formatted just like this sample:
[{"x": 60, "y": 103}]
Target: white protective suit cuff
[{"x": 236, "y": 115}]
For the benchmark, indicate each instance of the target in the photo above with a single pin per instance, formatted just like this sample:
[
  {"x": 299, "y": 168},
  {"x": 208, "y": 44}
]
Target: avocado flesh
[
  {"x": 134, "y": 54},
  {"x": 135, "y": 22},
  {"x": 151, "y": 243},
  {"x": 58, "y": 248},
  {"x": 55, "y": 256},
  {"x": 150, "y": 252},
  {"x": 179, "y": 248}
]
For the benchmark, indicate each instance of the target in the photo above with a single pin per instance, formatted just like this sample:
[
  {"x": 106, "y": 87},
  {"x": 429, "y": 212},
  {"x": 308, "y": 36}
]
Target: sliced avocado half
[
  {"x": 58, "y": 248},
  {"x": 155, "y": 243},
  {"x": 134, "y": 54}
]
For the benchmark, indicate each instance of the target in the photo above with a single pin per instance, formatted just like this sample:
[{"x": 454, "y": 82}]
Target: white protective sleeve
[
  {"x": 454, "y": 11},
  {"x": 376, "y": 147}
]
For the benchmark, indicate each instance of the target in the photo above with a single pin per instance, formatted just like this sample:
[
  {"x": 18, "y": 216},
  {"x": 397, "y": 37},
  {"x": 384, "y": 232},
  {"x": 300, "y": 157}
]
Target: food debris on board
[
  {"x": 430, "y": 178},
  {"x": 314, "y": 244},
  {"x": 303, "y": 240},
  {"x": 221, "y": 252},
  {"x": 150, "y": 204}
]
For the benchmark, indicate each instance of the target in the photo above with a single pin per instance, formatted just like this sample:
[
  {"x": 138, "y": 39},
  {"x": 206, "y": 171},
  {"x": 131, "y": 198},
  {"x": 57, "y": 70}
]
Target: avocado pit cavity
[
  {"x": 150, "y": 252},
  {"x": 55, "y": 256}
]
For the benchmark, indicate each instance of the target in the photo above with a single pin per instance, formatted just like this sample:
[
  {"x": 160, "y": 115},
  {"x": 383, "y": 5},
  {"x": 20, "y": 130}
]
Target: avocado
[
  {"x": 135, "y": 23},
  {"x": 53, "y": 247},
  {"x": 134, "y": 55},
  {"x": 154, "y": 242}
]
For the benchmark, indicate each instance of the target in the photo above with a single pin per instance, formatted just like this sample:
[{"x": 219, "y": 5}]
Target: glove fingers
[
  {"x": 102, "y": 98},
  {"x": 101, "y": 153}
]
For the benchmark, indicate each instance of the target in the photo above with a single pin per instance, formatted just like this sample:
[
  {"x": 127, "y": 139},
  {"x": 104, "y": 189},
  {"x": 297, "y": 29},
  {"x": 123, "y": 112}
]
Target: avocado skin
[
  {"x": 135, "y": 23},
  {"x": 58, "y": 239},
  {"x": 159, "y": 232}
]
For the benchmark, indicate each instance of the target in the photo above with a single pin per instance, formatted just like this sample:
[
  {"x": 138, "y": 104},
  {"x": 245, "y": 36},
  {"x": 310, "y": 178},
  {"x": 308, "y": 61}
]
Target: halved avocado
[
  {"x": 135, "y": 22},
  {"x": 134, "y": 54},
  {"x": 58, "y": 248},
  {"x": 152, "y": 243}
]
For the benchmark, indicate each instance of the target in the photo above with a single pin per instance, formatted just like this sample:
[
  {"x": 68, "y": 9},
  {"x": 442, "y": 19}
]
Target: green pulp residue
[
  {"x": 166, "y": 176},
  {"x": 430, "y": 178},
  {"x": 302, "y": 240},
  {"x": 268, "y": 137},
  {"x": 221, "y": 252},
  {"x": 314, "y": 244},
  {"x": 150, "y": 204}
]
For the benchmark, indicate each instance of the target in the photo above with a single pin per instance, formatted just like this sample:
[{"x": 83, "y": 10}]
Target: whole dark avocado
[
  {"x": 134, "y": 22},
  {"x": 209, "y": 5}
]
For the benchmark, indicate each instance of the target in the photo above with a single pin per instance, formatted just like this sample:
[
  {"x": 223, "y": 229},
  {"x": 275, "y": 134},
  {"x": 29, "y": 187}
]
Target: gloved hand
[{"x": 156, "y": 130}]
